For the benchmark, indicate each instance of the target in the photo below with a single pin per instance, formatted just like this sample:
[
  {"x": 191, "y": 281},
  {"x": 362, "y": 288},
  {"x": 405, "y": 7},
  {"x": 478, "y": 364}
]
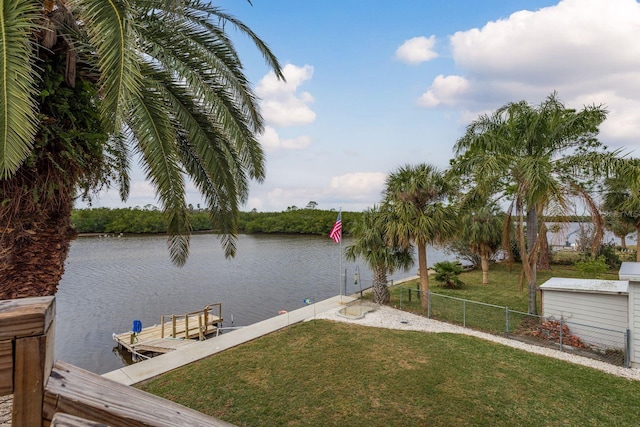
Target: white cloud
[
  {"x": 586, "y": 50},
  {"x": 417, "y": 50},
  {"x": 270, "y": 140},
  {"x": 281, "y": 104},
  {"x": 351, "y": 192},
  {"x": 359, "y": 186},
  {"x": 444, "y": 90}
]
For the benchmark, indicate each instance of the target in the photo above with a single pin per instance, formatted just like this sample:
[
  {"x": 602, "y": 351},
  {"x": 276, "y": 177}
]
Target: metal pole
[
  {"x": 428, "y": 303},
  {"x": 345, "y": 280},
  {"x": 464, "y": 314},
  {"x": 627, "y": 350},
  {"x": 506, "y": 309}
]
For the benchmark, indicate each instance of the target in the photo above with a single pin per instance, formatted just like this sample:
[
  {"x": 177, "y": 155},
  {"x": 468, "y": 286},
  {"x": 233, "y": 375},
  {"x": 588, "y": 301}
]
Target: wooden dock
[{"x": 174, "y": 331}]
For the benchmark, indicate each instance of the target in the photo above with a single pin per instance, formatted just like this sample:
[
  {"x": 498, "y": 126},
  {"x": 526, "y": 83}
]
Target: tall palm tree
[
  {"x": 84, "y": 84},
  {"x": 369, "y": 244},
  {"x": 416, "y": 195},
  {"x": 539, "y": 155}
]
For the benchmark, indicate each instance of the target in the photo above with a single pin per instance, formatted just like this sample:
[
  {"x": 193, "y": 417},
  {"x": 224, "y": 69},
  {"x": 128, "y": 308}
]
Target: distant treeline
[
  {"x": 151, "y": 220},
  {"x": 294, "y": 221}
]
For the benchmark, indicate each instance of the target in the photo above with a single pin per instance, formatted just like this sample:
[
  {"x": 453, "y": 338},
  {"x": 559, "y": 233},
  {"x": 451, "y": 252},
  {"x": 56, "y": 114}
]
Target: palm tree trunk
[
  {"x": 531, "y": 270},
  {"x": 484, "y": 262},
  {"x": 424, "y": 275},
  {"x": 380, "y": 290},
  {"x": 544, "y": 262},
  {"x": 623, "y": 242},
  {"x": 35, "y": 233}
]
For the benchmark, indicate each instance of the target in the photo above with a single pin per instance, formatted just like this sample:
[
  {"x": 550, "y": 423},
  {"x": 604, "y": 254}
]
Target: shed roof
[
  {"x": 630, "y": 271},
  {"x": 586, "y": 285}
]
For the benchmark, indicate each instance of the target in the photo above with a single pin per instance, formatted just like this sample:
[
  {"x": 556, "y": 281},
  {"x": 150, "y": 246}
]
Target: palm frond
[
  {"x": 215, "y": 79},
  {"x": 17, "y": 83},
  {"x": 155, "y": 137},
  {"x": 113, "y": 33}
]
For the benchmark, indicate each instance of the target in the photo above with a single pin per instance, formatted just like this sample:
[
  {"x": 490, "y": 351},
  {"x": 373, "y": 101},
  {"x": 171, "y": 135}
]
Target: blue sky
[{"x": 374, "y": 85}]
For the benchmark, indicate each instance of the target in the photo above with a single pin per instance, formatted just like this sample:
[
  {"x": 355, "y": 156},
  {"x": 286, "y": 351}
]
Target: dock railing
[
  {"x": 45, "y": 394},
  {"x": 197, "y": 323}
]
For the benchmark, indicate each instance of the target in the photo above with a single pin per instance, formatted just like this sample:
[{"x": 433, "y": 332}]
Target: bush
[
  {"x": 591, "y": 268},
  {"x": 611, "y": 257},
  {"x": 447, "y": 273}
]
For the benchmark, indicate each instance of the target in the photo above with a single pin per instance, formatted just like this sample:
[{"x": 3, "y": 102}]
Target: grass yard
[
  {"x": 323, "y": 373},
  {"x": 504, "y": 288}
]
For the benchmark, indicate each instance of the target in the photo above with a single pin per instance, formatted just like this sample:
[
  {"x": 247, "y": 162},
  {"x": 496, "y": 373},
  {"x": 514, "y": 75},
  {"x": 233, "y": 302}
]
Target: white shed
[
  {"x": 631, "y": 271},
  {"x": 593, "y": 308}
]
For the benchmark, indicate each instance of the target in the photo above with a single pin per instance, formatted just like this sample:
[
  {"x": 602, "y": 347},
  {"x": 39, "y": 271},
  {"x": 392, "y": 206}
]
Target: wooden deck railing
[
  {"x": 64, "y": 395},
  {"x": 197, "y": 323}
]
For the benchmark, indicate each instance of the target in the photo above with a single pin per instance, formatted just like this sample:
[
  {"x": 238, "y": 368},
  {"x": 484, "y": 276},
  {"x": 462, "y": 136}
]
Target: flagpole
[
  {"x": 340, "y": 275},
  {"x": 336, "y": 235}
]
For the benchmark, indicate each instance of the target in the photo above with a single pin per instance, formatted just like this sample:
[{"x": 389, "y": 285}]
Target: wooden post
[
  {"x": 206, "y": 319},
  {"x": 186, "y": 326},
  {"x": 173, "y": 325},
  {"x": 162, "y": 323},
  {"x": 28, "y": 324}
]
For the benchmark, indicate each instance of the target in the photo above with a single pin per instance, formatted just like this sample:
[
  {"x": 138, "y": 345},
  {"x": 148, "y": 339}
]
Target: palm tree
[
  {"x": 369, "y": 244},
  {"x": 482, "y": 229},
  {"x": 415, "y": 196},
  {"x": 87, "y": 83},
  {"x": 620, "y": 227},
  {"x": 622, "y": 198},
  {"x": 538, "y": 155}
]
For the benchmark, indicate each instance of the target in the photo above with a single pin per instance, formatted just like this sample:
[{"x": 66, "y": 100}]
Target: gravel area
[{"x": 387, "y": 317}]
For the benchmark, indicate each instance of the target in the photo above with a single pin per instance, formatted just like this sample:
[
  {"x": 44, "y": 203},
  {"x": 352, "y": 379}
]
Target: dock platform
[{"x": 174, "y": 331}]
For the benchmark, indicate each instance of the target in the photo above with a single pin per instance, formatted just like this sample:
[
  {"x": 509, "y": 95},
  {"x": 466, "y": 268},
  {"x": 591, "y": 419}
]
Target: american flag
[{"x": 336, "y": 231}]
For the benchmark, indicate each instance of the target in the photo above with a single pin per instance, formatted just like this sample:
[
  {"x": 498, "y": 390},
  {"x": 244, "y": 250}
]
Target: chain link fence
[{"x": 608, "y": 345}]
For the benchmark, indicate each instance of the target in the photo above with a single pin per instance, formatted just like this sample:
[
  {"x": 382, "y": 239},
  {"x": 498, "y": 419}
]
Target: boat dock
[{"x": 174, "y": 331}]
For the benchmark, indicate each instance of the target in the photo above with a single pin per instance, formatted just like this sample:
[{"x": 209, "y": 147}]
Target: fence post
[
  {"x": 561, "y": 335},
  {"x": 506, "y": 311},
  {"x": 627, "y": 349},
  {"x": 401, "y": 289},
  {"x": 409, "y": 294},
  {"x": 428, "y": 303},
  {"x": 464, "y": 314}
]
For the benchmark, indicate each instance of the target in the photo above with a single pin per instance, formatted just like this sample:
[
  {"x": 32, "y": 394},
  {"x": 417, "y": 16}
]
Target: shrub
[
  {"x": 591, "y": 268},
  {"x": 611, "y": 257},
  {"x": 447, "y": 273}
]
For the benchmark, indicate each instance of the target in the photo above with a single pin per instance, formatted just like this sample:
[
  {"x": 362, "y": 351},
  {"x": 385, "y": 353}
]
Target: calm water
[{"x": 108, "y": 282}]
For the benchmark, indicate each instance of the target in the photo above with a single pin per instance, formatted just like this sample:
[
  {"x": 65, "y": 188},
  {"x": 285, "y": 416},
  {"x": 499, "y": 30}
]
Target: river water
[{"x": 110, "y": 281}]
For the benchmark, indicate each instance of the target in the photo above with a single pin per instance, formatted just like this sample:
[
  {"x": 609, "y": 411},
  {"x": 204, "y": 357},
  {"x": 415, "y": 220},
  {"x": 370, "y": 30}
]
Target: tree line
[{"x": 140, "y": 220}]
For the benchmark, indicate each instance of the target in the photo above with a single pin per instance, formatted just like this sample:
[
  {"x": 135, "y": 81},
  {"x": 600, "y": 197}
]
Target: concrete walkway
[{"x": 158, "y": 365}]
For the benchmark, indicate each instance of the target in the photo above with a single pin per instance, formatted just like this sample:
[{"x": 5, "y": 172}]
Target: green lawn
[
  {"x": 323, "y": 373},
  {"x": 504, "y": 288}
]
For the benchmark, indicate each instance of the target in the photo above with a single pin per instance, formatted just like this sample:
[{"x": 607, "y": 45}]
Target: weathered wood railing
[
  {"x": 195, "y": 323},
  {"x": 64, "y": 395}
]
